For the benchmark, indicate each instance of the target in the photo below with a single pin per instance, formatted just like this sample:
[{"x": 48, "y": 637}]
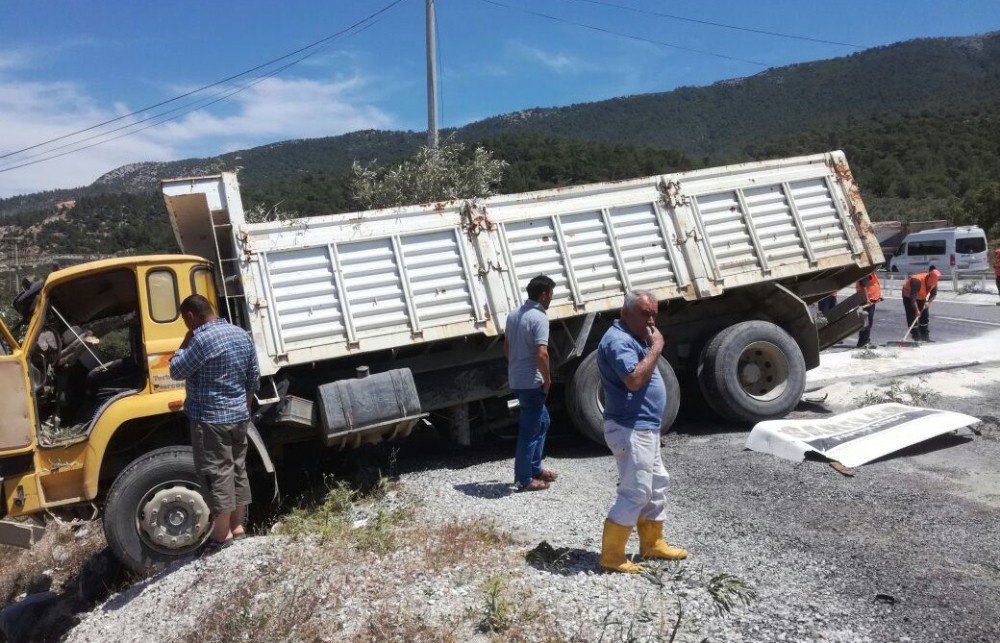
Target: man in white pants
[{"x": 635, "y": 399}]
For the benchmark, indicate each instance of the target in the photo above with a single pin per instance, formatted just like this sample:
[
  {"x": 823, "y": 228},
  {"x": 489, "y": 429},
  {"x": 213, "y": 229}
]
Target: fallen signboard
[{"x": 855, "y": 437}]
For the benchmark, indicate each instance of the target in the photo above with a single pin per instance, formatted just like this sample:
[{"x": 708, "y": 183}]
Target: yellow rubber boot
[
  {"x": 613, "y": 549},
  {"x": 652, "y": 545}
]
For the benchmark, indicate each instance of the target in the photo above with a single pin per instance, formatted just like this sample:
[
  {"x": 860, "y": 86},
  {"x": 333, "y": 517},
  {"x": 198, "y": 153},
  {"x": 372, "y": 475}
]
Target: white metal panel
[
  {"x": 642, "y": 246},
  {"x": 820, "y": 217},
  {"x": 728, "y": 236},
  {"x": 534, "y": 251},
  {"x": 438, "y": 282},
  {"x": 373, "y": 287},
  {"x": 304, "y": 296},
  {"x": 775, "y": 225},
  {"x": 591, "y": 255}
]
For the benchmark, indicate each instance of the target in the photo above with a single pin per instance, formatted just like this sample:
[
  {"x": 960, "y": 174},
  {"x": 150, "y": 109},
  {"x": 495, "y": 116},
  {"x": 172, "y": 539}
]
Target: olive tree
[{"x": 450, "y": 171}]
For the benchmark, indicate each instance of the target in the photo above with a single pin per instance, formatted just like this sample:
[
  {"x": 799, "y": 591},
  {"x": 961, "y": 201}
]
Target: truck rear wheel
[
  {"x": 155, "y": 512},
  {"x": 585, "y": 398},
  {"x": 752, "y": 371}
]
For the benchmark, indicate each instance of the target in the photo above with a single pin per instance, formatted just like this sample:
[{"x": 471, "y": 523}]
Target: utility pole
[{"x": 432, "y": 110}]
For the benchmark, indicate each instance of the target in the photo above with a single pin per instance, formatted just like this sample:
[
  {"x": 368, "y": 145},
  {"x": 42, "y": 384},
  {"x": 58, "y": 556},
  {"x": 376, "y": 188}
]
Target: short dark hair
[
  {"x": 538, "y": 286},
  {"x": 198, "y": 305},
  {"x": 932, "y": 267}
]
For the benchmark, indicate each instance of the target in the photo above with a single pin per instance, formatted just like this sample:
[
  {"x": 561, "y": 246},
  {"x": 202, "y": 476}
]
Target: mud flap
[{"x": 843, "y": 320}]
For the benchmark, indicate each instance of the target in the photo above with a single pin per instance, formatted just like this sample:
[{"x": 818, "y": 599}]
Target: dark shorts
[{"x": 220, "y": 454}]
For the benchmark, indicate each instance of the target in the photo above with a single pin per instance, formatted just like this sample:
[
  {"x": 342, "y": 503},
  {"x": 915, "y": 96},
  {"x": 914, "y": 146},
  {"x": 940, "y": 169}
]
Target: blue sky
[{"x": 65, "y": 65}]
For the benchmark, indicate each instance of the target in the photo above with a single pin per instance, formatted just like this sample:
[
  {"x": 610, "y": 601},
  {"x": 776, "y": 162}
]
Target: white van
[{"x": 963, "y": 248}]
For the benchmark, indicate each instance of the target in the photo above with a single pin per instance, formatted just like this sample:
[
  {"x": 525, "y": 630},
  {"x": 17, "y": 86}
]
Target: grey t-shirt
[{"x": 527, "y": 329}]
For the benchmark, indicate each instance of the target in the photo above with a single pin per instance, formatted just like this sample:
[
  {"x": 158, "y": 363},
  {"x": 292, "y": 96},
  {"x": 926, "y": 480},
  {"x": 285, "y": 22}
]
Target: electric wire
[
  {"x": 723, "y": 25},
  {"x": 312, "y": 45},
  {"x": 199, "y": 104},
  {"x": 625, "y": 35}
]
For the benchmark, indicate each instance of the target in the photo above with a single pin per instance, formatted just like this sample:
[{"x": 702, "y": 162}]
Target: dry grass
[
  {"x": 458, "y": 541},
  {"x": 390, "y": 625},
  {"x": 351, "y": 552},
  {"x": 910, "y": 394},
  {"x": 62, "y": 552},
  {"x": 279, "y": 605}
]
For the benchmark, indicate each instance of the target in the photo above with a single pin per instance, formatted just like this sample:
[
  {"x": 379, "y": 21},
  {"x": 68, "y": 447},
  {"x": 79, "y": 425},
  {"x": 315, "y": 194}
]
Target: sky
[{"x": 66, "y": 65}]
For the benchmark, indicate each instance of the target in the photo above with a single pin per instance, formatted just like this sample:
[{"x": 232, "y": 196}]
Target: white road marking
[{"x": 967, "y": 321}]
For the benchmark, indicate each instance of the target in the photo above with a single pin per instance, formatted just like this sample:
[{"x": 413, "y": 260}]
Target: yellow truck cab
[{"x": 87, "y": 392}]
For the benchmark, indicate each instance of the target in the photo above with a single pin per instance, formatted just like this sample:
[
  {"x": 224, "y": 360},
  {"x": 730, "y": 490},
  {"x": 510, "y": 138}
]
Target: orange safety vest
[
  {"x": 928, "y": 282},
  {"x": 996, "y": 262},
  {"x": 873, "y": 290}
]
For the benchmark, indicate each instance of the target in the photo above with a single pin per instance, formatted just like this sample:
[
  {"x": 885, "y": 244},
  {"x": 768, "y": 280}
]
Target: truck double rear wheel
[
  {"x": 585, "y": 398},
  {"x": 155, "y": 512},
  {"x": 752, "y": 371}
]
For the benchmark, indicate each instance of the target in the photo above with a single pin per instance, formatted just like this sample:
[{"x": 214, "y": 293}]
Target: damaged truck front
[{"x": 369, "y": 325}]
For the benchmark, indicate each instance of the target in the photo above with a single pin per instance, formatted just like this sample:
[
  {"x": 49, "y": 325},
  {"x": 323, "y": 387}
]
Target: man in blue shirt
[
  {"x": 218, "y": 363},
  {"x": 526, "y": 347},
  {"x": 635, "y": 399}
]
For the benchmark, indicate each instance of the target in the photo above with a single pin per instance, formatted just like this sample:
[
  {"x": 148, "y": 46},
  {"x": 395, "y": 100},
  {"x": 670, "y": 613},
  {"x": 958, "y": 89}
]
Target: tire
[
  {"x": 771, "y": 365},
  {"x": 163, "y": 480},
  {"x": 584, "y": 398}
]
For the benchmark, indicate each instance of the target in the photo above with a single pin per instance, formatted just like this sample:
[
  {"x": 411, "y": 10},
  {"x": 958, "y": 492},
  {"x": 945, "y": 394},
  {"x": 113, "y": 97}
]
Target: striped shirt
[{"x": 219, "y": 367}]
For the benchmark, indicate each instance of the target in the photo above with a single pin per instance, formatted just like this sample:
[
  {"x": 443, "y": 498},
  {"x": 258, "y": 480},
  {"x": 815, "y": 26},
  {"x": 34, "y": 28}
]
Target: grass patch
[
  {"x": 909, "y": 394},
  {"x": 462, "y": 541},
  {"x": 728, "y": 591},
  {"x": 349, "y": 516},
  {"x": 497, "y": 615}
]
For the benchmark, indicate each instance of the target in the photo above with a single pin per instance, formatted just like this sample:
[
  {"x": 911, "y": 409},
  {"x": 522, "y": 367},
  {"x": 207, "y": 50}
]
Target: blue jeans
[{"x": 532, "y": 427}]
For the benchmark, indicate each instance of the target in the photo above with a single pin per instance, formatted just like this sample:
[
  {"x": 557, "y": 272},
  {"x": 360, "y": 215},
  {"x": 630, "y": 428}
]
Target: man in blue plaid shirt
[{"x": 218, "y": 364}]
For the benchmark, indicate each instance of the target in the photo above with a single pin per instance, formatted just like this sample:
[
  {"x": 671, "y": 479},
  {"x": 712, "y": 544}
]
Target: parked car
[{"x": 962, "y": 248}]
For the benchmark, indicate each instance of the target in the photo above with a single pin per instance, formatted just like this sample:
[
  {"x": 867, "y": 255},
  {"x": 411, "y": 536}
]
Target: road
[{"x": 950, "y": 321}]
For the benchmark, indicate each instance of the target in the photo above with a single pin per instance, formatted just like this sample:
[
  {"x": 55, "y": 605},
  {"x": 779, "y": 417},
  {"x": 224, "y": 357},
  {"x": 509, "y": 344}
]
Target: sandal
[{"x": 534, "y": 485}]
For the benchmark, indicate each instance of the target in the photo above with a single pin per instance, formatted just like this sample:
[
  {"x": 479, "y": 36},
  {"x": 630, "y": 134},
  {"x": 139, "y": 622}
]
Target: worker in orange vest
[
  {"x": 919, "y": 291},
  {"x": 873, "y": 291},
  {"x": 996, "y": 269}
]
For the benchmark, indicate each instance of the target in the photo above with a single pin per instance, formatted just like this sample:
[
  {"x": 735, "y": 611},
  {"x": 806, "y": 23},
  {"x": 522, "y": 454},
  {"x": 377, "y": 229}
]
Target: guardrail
[{"x": 959, "y": 281}]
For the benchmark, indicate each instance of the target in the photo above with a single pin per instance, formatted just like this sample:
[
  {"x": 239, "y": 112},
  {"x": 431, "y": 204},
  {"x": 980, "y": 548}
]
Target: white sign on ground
[{"x": 856, "y": 437}]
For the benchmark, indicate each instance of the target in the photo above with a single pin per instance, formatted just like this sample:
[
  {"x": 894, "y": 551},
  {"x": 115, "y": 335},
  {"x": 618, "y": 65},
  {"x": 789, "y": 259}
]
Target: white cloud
[
  {"x": 275, "y": 109},
  {"x": 555, "y": 61}
]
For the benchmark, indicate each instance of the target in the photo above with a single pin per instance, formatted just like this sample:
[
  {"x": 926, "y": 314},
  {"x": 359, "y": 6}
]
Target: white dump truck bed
[{"x": 317, "y": 288}]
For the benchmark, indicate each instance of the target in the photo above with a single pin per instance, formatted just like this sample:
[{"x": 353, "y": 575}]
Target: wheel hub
[
  {"x": 763, "y": 371},
  {"x": 174, "y": 518}
]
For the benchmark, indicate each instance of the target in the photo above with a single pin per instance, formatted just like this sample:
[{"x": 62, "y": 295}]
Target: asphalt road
[{"x": 950, "y": 321}]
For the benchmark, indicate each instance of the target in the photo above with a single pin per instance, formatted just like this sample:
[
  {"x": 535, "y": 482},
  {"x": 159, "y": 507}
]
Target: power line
[
  {"x": 187, "y": 108},
  {"x": 209, "y": 86},
  {"x": 719, "y": 24},
  {"x": 625, "y": 35}
]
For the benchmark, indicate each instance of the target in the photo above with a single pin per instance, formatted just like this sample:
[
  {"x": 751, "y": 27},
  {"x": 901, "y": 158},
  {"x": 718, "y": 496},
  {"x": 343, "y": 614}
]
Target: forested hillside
[{"x": 919, "y": 121}]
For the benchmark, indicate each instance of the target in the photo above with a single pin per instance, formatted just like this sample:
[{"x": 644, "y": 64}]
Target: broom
[{"x": 904, "y": 343}]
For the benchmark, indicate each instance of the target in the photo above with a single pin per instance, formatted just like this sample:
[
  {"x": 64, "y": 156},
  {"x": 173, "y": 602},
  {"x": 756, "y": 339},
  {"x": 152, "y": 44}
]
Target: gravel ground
[{"x": 904, "y": 551}]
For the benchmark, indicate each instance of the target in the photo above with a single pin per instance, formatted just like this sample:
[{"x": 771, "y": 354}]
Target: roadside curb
[{"x": 903, "y": 372}]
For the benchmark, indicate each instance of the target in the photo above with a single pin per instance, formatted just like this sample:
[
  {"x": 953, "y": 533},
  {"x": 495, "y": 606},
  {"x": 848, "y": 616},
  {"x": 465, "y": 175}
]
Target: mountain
[
  {"x": 919, "y": 120},
  {"x": 945, "y": 75}
]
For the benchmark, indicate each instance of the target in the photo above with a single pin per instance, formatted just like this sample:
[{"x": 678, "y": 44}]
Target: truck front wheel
[
  {"x": 752, "y": 371},
  {"x": 585, "y": 398},
  {"x": 155, "y": 512}
]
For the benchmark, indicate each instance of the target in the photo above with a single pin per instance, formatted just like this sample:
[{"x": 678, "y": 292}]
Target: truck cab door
[{"x": 17, "y": 411}]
